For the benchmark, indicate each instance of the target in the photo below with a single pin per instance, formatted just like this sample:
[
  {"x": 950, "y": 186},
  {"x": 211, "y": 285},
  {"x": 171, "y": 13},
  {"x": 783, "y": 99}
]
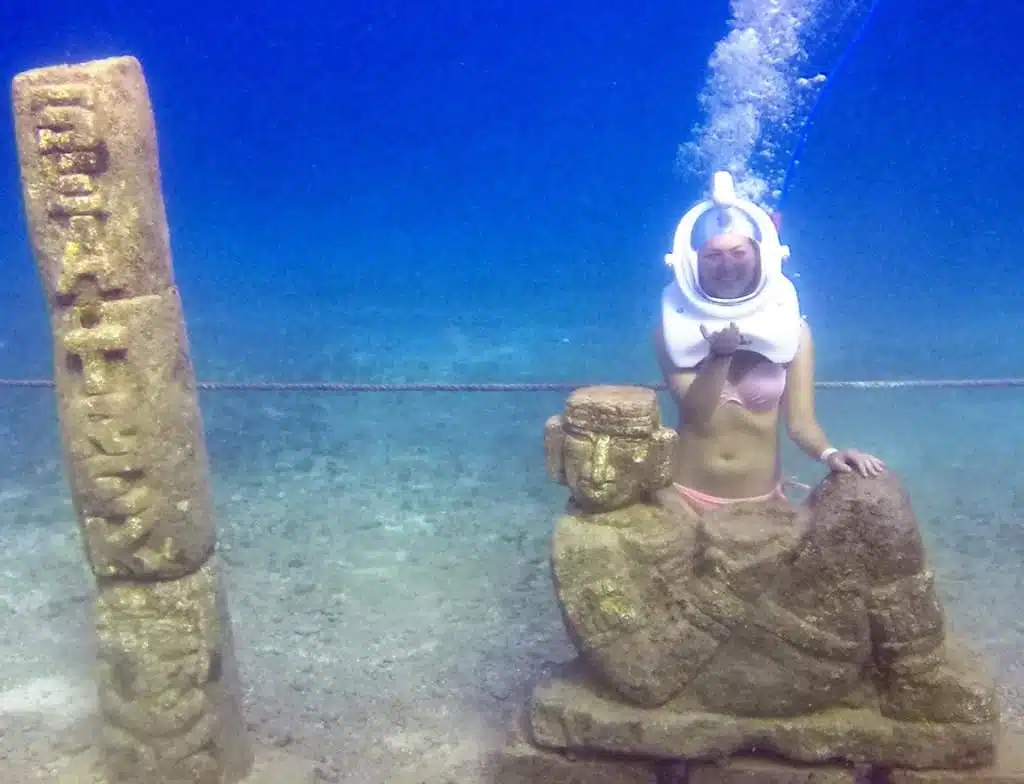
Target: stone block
[
  {"x": 760, "y": 770},
  {"x": 521, "y": 762},
  {"x": 1008, "y": 767}
]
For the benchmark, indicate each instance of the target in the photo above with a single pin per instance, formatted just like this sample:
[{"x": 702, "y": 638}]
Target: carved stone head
[{"x": 609, "y": 447}]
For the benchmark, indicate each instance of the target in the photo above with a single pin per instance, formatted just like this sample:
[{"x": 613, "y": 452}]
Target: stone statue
[{"x": 810, "y": 631}]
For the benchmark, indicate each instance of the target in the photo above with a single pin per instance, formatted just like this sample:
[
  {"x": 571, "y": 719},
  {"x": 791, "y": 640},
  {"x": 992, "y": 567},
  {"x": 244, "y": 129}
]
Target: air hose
[{"x": 794, "y": 161}]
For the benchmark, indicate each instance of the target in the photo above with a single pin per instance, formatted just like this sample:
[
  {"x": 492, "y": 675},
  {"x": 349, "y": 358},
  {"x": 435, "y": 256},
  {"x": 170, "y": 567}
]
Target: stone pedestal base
[
  {"x": 522, "y": 762},
  {"x": 758, "y": 770},
  {"x": 568, "y": 713},
  {"x": 272, "y": 766},
  {"x": 1008, "y": 767},
  {"x": 571, "y": 733}
]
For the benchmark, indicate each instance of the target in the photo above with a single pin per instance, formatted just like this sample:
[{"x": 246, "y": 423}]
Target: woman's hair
[{"x": 723, "y": 220}]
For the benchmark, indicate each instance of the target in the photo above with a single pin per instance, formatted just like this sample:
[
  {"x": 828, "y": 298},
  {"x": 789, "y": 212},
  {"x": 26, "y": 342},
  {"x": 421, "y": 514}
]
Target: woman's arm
[
  {"x": 801, "y": 420},
  {"x": 695, "y": 390}
]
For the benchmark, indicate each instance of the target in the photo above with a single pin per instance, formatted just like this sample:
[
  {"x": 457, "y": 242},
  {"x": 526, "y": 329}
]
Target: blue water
[{"x": 470, "y": 191}]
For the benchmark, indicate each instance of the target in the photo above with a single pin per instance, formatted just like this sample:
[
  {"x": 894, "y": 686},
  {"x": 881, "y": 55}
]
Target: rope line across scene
[{"x": 552, "y": 386}]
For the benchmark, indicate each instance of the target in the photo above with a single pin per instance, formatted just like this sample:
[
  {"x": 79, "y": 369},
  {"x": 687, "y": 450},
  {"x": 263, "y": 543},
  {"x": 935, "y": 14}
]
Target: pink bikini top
[{"x": 760, "y": 389}]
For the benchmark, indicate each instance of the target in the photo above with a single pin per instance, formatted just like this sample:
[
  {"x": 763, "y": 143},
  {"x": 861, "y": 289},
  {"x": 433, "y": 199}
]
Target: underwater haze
[{"x": 474, "y": 192}]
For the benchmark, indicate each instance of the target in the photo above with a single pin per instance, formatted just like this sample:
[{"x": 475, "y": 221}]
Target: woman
[{"x": 733, "y": 379}]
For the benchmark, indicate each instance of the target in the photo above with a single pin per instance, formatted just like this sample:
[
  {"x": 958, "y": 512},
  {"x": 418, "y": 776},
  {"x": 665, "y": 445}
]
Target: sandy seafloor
[{"x": 387, "y": 562}]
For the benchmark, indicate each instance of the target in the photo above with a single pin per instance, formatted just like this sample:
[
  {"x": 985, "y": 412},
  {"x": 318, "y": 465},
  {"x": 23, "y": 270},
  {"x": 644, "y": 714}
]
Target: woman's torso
[{"x": 736, "y": 454}]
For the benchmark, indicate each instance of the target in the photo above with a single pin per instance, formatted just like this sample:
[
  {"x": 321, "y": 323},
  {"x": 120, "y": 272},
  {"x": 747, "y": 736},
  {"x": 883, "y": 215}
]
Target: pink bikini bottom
[{"x": 702, "y": 502}]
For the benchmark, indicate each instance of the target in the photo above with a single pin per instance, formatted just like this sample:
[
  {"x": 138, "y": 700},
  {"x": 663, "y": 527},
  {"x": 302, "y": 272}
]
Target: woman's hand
[
  {"x": 846, "y": 460},
  {"x": 725, "y": 342}
]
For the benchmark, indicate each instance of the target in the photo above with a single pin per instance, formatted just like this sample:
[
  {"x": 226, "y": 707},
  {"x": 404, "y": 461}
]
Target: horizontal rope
[{"x": 553, "y": 386}]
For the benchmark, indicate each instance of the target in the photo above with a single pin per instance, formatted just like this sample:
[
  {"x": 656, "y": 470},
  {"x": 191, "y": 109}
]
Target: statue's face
[{"x": 604, "y": 471}]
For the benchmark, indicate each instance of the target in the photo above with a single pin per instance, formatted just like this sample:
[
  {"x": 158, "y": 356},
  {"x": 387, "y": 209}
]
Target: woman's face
[{"x": 728, "y": 266}]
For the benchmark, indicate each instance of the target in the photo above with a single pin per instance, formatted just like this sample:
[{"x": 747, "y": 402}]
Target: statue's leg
[
  {"x": 922, "y": 675},
  {"x": 790, "y": 644}
]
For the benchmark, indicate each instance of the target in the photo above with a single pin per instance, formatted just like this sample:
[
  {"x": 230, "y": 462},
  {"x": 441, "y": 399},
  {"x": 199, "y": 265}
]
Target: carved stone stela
[{"x": 130, "y": 425}]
